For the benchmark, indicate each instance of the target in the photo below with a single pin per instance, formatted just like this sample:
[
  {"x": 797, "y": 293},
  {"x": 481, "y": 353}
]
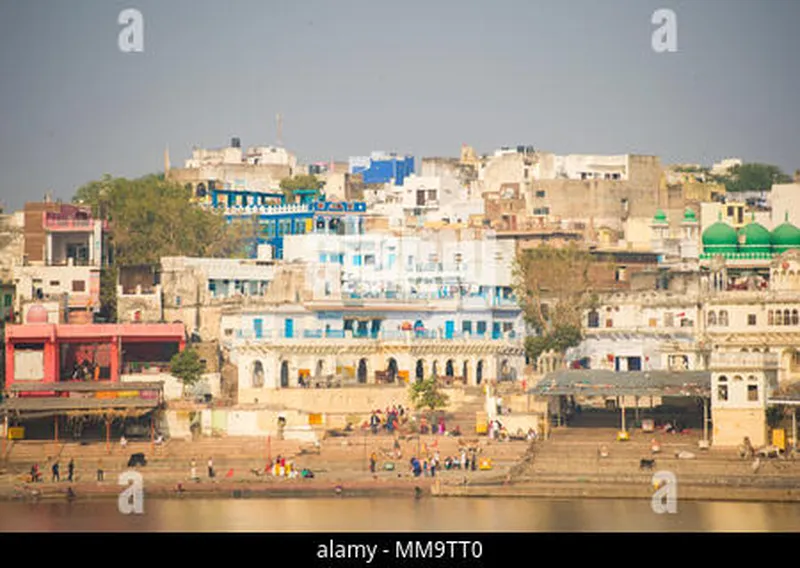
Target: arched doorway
[
  {"x": 392, "y": 371},
  {"x": 320, "y": 368},
  {"x": 258, "y": 375},
  {"x": 285, "y": 374},
  {"x": 420, "y": 371},
  {"x": 435, "y": 369},
  {"x": 479, "y": 373},
  {"x": 505, "y": 371},
  {"x": 465, "y": 372},
  {"x": 362, "y": 371},
  {"x": 449, "y": 372}
]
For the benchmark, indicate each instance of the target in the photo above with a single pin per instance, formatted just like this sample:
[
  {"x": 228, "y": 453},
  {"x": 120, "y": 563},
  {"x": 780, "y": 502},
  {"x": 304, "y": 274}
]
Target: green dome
[
  {"x": 720, "y": 238},
  {"x": 660, "y": 217},
  {"x": 754, "y": 237},
  {"x": 785, "y": 236},
  {"x": 689, "y": 216}
]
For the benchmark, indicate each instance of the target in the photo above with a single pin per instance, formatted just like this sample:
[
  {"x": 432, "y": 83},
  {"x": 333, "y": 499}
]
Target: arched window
[
  {"x": 752, "y": 389},
  {"x": 787, "y": 317},
  {"x": 594, "y": 319},
  {"x": 722, "y": 389},
  {"x": 770, "y": 318},
  {"x": 420, "y": 370},
  {"x": 795, "y": 318},
  {"x": 258, "y": 375},
  {"x": 479, "y": 372},
  {"x": 778, "y": 317},
  {"x": 712, "y": 318},
  {"x": 200, "y": 191},
  {"x": 285, "y": 374},
  {"x": 448, "y": 369},
  {"x": 392, "y": 370},
  {"x": 362, "y": 371},
  {"x": 723, "y": 318}
]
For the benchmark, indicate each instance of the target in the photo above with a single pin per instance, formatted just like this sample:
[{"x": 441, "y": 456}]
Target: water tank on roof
[{"x": 236, "y": 143}]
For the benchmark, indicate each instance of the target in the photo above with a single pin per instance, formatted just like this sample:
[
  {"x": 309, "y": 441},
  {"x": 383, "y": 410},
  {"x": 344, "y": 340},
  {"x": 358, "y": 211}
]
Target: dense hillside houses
[{"x": 364, "y": 277}]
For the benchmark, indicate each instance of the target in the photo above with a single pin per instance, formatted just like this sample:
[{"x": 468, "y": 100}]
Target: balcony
[
  {"x": 61, "y": 224},
  {"x": 744, "y": 361},
  {"x": 249, "y": 335}
]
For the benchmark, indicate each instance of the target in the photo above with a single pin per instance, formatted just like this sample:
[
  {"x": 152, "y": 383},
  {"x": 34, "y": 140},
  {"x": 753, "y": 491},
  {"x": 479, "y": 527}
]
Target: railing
[
  {"x": 55, "y": 223},
  {"x": 744, "y": 360},
  {"x": 383, "y": 335}
]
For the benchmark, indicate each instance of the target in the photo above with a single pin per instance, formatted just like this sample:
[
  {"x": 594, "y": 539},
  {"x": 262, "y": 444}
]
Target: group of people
[
  {"x": 85, "y": 371},
  {"x": 211, "y": 471},
  {"x": 468, "y": 460},
  {"x": 37, "y": 476},
  {"x": 391, "y": 419}
]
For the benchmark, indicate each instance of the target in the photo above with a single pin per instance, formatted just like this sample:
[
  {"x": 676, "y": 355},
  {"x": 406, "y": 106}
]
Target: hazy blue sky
[{"x": 352, "y": 76}]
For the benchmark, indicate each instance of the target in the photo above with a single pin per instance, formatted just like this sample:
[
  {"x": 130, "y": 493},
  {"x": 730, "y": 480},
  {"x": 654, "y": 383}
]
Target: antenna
[{"x": 279, "y": 120}]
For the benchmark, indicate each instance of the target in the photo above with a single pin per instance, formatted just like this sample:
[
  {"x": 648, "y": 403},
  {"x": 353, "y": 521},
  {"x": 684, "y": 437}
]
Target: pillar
[
  {"x": 114, "y": 360},
  {"x": 9, "y": 363},
  {"x": 794, "y": 430},
  {"x": 50, "y": 361}
]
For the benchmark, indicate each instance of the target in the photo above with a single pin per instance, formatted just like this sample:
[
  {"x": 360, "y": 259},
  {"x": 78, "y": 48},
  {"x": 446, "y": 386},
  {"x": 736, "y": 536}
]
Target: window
[
  {"x": 594, "y": 319},
  {"x": 752, "y": 389},
  {"x": 540, "y": 193},
  {"x": 481, "y": 327},
  {"x": 751, "y": 319},
  {"x": 795, "y": 317},
  {"x": 778, "y": 317},
  {"x": 712, "y": 319},
  {"x": 228, "y": 332},
  {"x": 7, "y": 300},
  {"x": 177, "y": 301},
  {"x": 609, "y": 323},
  {"x": 508, "y": 326},
  {"x": 620, "y": 274},
  {"x": 653, "y": 322},
  {"x": 466, "y": 327},
  {"x": 369, "y": 259},
  {"x": 722, "y": 389},
  {"x": 78, "y": 285},
  {"x": 723, "y": 318},
  {"x": 55, "y": 283}
]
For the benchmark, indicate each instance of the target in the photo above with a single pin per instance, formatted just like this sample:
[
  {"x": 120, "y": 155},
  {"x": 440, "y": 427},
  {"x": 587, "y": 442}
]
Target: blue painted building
[
  {"x": 380, "y": 168},
  {"x": 271, "y": 223}
]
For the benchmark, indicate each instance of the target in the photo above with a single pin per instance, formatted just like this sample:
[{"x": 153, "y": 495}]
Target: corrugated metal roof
[{"x": 631, "y": 383}]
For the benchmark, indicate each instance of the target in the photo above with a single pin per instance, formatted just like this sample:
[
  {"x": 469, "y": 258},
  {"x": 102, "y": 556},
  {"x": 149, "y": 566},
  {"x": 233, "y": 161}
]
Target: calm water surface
[{"x": 396, "y": 514}]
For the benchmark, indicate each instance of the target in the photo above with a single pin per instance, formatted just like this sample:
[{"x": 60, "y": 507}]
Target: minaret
[{"x": 166, "y": 161}]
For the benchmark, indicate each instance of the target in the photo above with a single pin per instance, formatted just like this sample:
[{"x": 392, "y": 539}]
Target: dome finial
[{"x": 719, "y": 215}]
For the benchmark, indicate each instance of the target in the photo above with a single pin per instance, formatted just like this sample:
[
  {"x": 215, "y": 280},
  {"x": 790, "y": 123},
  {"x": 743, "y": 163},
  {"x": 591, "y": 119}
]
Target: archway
[
  {"x": 392, "y": 371},
  {"x": 505, "y": 371},
  {"x": 285, "y": 374},
  {"x": 435, "y": 369},
  {"x": 449, "y": 372},
  {"x": 420, "y": 371},
  {"x": 320, "y": 368},
  {"x": 479, "y": 372},
  {"x": 258, "y": 375},
  {"x": 465, "y": 372},
  {"x": 362, "y": 371}
]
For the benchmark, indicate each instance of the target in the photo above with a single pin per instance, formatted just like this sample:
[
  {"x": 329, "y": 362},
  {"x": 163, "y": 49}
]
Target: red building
[
  {"x": 70, "y": 373},
  {"x": 52, "y": 353}
]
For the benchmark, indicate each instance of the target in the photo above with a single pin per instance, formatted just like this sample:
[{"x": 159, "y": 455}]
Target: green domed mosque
[{"x": 753, "y": 241}]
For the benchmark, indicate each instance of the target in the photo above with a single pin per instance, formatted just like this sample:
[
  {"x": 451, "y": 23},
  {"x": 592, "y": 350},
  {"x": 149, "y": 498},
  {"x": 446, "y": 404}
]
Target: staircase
[{"x": 465, "y": 415}]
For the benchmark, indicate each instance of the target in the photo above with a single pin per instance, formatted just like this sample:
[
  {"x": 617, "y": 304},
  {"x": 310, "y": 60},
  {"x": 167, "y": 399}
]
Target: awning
[{"x": 590, "y": 382}]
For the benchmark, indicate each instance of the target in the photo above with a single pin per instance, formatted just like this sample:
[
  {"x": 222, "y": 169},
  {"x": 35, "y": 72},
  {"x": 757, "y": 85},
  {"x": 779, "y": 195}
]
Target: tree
[
  {"x": 427, "y": 394},
  {"x": 151, "y": 217},
  {"x": 752, "y": 177},
  {"x": 187, "y": 367},
  {"x": 554, "y": 290},
  {"x": 300, "y": 182}
]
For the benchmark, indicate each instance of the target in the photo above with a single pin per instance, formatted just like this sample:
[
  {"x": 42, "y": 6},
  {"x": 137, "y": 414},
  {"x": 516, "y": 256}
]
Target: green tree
[
  {"x": 554, "y": 290},
  {"x": 300, "y": 182},
  {"x": 426, "y": 394},
  {"x": 187, "y": 367},
  {"x": 752, "y": 177},
  {"x": 151, "y": 217}
]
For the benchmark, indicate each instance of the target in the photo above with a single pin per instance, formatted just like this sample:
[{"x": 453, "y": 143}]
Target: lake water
[{"x": 395, "y": 515}]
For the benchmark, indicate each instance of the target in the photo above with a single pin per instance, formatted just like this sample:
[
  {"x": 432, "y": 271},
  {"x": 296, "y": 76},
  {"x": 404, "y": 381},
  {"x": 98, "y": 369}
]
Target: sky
[{"x": 420, "y": 77}]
